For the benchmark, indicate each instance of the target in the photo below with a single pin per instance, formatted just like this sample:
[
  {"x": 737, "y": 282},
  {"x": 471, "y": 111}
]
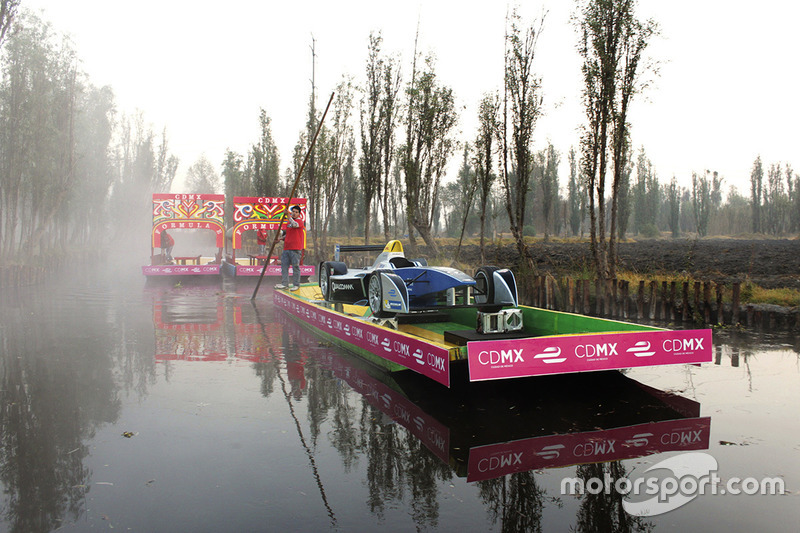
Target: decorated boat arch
[
  {"x": 176, "y": 213},
  {"x": 259, "y": 214}
]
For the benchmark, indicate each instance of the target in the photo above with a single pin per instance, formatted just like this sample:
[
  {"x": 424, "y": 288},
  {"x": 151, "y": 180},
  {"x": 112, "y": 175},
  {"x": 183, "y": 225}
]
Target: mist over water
[{"x": 158, "y": 407}]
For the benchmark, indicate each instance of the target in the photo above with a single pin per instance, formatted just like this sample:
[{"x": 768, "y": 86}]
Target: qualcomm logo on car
[
  {"x": 551, "y": 452},
  {"x": 551, "y": 355},
  {"x": 639, "y": 440},
  {"x": 342, "y": 286},
  {"x": 641, "y": 349}
]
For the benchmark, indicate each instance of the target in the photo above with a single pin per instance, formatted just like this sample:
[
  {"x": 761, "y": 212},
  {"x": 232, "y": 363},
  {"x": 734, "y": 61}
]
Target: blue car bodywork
[{"x": 395, "y": 284}]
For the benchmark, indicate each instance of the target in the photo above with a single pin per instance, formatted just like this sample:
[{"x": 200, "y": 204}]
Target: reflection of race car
[{"x": 395, "y": 284}]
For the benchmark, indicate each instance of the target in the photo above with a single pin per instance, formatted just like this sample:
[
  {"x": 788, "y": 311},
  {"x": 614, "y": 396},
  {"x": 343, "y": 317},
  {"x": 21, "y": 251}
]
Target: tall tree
[
  {"x": 624, "y": 195},
  {"x": 233, "y": 178},
  {"x": 701, "y": 202},
  {"x": 674, "y": 200},
  {"x": 373, "y": 129},
  {"x": 485, "y": 149},
  {"x": 549, "y": 183},
  {"x": 575, "y": 195},
  {"x": 612, "y": 44},
  {"x": 467, "y": 184},
  {"x": 339, "y": 154},
  {"x": 389, "y": 110},
  {"x": 202, "y": 178},
  {"x": 264, "y": 162},
  {"x": 8, "y": 10},
  {"x": 522, "y": 93},
  {"x": 429, "y": 144},
  {"x": 756, "y": 193}
]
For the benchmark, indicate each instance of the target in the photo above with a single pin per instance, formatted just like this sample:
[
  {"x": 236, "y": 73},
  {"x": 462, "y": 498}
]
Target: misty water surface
[{"x": 192, "y": 409}]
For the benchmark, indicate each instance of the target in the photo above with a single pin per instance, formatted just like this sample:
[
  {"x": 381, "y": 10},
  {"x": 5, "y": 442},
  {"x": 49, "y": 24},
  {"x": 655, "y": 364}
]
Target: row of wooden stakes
[{"x": 701, "y": 302}]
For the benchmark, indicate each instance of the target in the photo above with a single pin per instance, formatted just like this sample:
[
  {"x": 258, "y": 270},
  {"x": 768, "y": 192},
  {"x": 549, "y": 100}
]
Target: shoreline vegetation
[{"x": 754, "y": 280}]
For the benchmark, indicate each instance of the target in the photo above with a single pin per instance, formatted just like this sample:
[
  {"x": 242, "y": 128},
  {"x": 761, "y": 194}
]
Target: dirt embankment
[{"x": 769, "y": 263}]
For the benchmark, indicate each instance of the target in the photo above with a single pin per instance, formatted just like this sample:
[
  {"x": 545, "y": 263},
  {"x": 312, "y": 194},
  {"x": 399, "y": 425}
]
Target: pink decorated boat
[
  {"x": 195, "y": 227},
  {"x": 252, "y": 215}
]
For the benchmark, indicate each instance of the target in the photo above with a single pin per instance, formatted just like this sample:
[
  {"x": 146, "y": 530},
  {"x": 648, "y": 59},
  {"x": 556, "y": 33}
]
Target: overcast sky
[{"x": 727, "y": 89}]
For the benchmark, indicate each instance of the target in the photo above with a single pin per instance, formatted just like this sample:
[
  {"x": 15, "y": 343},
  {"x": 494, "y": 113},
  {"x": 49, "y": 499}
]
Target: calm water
[{"x": 192, "y": 409}]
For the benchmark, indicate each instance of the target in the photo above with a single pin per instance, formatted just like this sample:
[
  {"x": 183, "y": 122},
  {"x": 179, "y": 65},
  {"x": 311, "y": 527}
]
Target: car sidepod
[{"x": 347, "y": 288}]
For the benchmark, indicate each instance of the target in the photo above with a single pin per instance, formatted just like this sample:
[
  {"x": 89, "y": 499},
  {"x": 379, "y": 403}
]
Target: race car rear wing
[{"x": 343, "y": 248}]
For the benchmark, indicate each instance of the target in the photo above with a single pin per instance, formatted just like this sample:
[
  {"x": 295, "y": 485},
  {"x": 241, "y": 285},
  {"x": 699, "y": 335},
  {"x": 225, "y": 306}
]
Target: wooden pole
[{"x": 291, "y": 196}]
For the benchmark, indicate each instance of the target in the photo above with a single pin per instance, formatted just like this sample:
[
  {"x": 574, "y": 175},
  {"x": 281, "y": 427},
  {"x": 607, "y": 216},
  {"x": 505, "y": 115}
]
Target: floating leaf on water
[{"x": 128, "y": 434}]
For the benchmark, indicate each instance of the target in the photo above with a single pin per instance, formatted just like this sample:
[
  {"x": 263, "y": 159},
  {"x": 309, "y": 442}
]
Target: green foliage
[
  {"x": 430, "y": 129},
  {"x": 202, "y": 178},
  {"x": 650, "y": 231}
]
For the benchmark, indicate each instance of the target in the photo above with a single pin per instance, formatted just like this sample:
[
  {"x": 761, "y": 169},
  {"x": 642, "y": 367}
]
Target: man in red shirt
[
  {"x": 293, "y": 245},
  {"x": 261, "y": 240},
  {"x": 167, "y": 243}
]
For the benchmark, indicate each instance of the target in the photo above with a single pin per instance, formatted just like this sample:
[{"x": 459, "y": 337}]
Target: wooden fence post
[
  {"x": 586, "y": 303},
  {"x": 653, "y": 300},
  {"x": 599, "y": 299},
  {"x": 696, "y": 310},
  {"x": 625, "y": 286},
  {"x": 735, "y": 303},
  {"x": 673, "y": 313},
  {"x": 707, "y": 302},
  {"x": 640, "y": 301}
]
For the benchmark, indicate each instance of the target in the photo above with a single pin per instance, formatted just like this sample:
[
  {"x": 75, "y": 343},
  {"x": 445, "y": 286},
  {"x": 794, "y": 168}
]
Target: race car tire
[
  {"x": 484, "y": 290},
  {"x": 325, "y": 280},
  {"x": 375, "y": 296}
]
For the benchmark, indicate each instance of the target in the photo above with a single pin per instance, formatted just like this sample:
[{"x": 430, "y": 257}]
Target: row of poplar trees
[
  {"x": 407, "y": 136},
  {"x": 74, "y": 173},
  {"x": 63, "y": 149}
]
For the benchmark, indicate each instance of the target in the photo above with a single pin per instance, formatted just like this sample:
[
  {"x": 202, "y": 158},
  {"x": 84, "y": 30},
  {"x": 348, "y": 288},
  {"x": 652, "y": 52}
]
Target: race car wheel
[
  {"x": 375, "y": 296},
  {"x": 325, "y": 281},
  {"x": 484, "y": 290}
]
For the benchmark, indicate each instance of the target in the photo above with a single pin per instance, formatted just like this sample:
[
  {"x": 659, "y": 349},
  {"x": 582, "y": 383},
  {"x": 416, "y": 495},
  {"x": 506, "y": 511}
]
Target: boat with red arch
[
  {"x": 253, "y": 215},
  {"x": 190, "y": 218}
]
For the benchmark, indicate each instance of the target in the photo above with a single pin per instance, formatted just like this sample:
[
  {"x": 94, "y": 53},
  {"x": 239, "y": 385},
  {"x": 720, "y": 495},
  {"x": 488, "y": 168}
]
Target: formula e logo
[
  {"x": 641, "y": 349},
  {"x": 551, "y": 355},
  {"x": 639, "y": 440},
  {"x": 387, "y": 345},
  {"x": 419, "y": 356},
  {"x": 551, "y": 452}
]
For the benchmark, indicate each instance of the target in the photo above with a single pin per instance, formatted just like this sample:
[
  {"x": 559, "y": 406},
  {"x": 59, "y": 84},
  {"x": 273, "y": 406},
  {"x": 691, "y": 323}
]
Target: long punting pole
[{"x": 291, "y": 196}]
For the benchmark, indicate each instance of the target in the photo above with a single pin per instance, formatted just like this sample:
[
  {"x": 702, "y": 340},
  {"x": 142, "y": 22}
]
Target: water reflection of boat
[
  {"x": 197, "y": 325},
  {"x": 487, "y": 430}
]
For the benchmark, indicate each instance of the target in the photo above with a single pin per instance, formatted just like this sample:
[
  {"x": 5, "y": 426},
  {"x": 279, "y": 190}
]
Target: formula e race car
[{"x": 395, "y": 284}]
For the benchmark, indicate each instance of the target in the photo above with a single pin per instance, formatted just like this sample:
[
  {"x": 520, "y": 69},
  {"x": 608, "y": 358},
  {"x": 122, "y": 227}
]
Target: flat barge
[{"x": 548, "y": 342}]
